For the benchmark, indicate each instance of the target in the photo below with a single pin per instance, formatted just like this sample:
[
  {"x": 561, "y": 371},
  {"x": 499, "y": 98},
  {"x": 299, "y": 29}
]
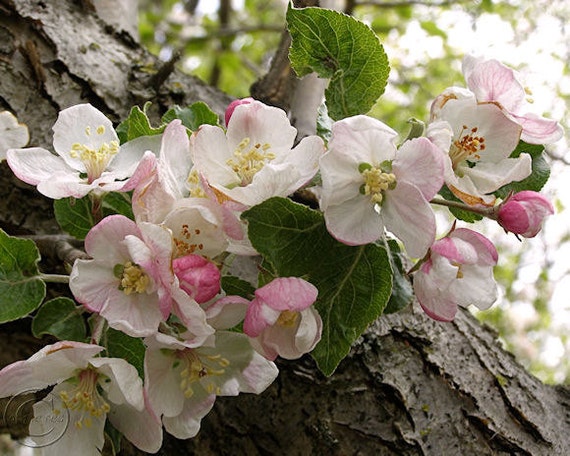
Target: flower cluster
[{"x": 158, "y": 276}]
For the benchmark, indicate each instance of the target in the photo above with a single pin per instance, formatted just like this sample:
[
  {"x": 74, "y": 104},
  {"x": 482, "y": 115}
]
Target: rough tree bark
[{"x": 411, "y": 386}]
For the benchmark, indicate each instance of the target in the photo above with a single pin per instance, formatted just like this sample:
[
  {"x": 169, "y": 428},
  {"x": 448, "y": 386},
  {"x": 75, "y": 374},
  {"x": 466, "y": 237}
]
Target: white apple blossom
[
  {"x": 369, "y": 185},
  {"x": 490, "y": 80},
  {"x": 89, "y": 157},
  {"x": 92, "y": 389},
  {"x": 481, "y": 140},
  {"x": 182, "y": 380},
  {"x": 255, "y": 159},
  {"x": 458, "y": 271}
]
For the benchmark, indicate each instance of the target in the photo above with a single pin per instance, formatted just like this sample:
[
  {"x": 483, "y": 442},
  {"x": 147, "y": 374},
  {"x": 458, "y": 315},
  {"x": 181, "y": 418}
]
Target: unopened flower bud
[
  {"x": 524, "y": 212},
  {"x": 198, "y": 277},
  {"x": 233, "y": 105}
]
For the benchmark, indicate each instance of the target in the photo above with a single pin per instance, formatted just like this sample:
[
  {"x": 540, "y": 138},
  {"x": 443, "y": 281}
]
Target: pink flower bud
[
  {"x": 524, "y": 212},
  {"x": 198, "y": 277},
  {"x": 233, "y": 105}
]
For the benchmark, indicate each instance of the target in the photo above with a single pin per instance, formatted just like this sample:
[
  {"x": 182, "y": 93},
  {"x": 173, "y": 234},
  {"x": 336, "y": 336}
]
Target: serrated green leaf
[
  {"x": 354, "y": 282},
  {"x": 402, "y": 290},
  {"x": 21, "y": 290},
  {"x": 235, "y": 286},
  {"x": 117, "y": 203},
  {"x": 539, "y": 175},
  {"x": 74, "y": 215},
  {"x": 61, "y": 318},
  {"x": 192, "y": 116},
  {"x": 342, "y": 49},
  {"x": 460, "y": 214},
  {"x": 137, "y": 124},
  {"x": 131, "y": 349}
]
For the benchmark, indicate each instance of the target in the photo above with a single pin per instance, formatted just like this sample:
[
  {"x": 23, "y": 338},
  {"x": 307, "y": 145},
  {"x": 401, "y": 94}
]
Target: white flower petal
[{"x": 354, "y": 222}]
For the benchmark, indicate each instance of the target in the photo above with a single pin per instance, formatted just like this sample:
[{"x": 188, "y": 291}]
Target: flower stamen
[
  {"x": 95, "y": 160},
  {"x": 376, "y": 182},
  {"x": 249, "y": 160},
  {"x": 133, "y": 278},
  {"x": 467, "y": 147}
]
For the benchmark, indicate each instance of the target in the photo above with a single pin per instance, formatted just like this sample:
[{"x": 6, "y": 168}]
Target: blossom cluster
[{"x": 158, "y": 276}]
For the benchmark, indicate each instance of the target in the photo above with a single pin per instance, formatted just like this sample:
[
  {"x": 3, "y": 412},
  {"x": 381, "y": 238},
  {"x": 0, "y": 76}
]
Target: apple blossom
[
  {"x": 12, "y": 133},
  {"x": 458, "y": 271},
  {"x": 490, "y": 80},
  {"x": 89, "y": 157},
  {"x": 92, "y": 389},
  {"x": 281, "y": 319},
  {"x": 523, "y": 213},
  {"x": 129, "y": 280},
  {"x": 483, "y": 138},
  {"x": 255, "y": 159},
  {"x": 367, "y": 184},
  {"x": 183, "y": 380},
  {"x": 232, "y": 106}
]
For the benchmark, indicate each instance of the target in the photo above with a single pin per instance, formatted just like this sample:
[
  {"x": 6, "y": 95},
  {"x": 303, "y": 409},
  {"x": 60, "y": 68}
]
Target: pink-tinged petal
[
  {"x": 192, "y": 316},
  {"x": 354, "y": 222},
  {"x": 440, "y": 134},
  {"x": 449, "y": 95},
  {"x": 261, "y": 124},
  {"x": 93, "y": 284},
  {"x": 420, "y": 163},
  {"x": 227, "y": 312},
  {"x": 210, "y": 152},
  {"x": 198, "y": 277},
  {"x": 233, "y": 105},
  {"x": 448, "y": 248},
  {"x": 152, "y": 201},
  {"x": 341, "y": 178},
  {"x": 305, "y": 157},
  {"x": 524, "y": 213},
  {"x": 488, "y": 177},
  {"x": 111, "y": 231},
  {"x": 137, "y": 315},
  {"x": 477, "y": 287},
  {"x": 146, "y": 168},
  {"x": 486, "y": 251},
  {"x": 539, "y": 130},
  {"x": 52, "y": 364},
  {"x": 12, "y": 134},
  {"x": 80, "y": 124},
  {"x": 63, "y": 185},
  {"x": 287, "y": 293},
  {"x": 187, "y": 424},
  {"x": 258, "y": 317},
  {"x": 121, "y": 384},
  {"x": 175, "y": 161},
  {"x": 431, "y": 290},
  {"x": 131, "y": 154},
  {"x": 406, "y": 213},
  {"x": 364, "y": 139},
  {"x": 35, "y": 165},
  {"x": 490, "y": 80},
  {"x": 464, "y": 189},
  {"x": 142, "y": 428}
]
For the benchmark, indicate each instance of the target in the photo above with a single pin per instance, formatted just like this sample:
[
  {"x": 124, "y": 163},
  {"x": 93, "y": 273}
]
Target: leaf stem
[
  {"x": 489, "y": 212},
  {"x": 54, "y": 278}
]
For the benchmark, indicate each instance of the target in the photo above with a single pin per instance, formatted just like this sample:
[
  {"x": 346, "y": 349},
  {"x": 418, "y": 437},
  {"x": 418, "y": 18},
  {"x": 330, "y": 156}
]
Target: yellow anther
[
  {"x": 248, "y": 161},
  {"x": 467, "y": 147},
  {"x": 95, "y": 161},
  {"x": 288, "y": 318},
  {"x": 376, "y": 182},
  {"x": 100, "y": 129},
  {"x": 133, "y": 279}
]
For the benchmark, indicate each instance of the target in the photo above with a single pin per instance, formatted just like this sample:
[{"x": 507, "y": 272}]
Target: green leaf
[
  {"x": 235, "y": 286},
  {"x": 354, "y": 282},
  {"x": 61, "y": 318},
  {"x": 118, "y": 203},
  {"x": 539, "y": 175},
  {"x": 137, "y": 124},
  {"x": 343, "y": 49},
  {"x": 192, "y": 116},
  {"x": 131, "y": 349},
  {"x": 460, "y": 214},
  {"x": 402, "y": 290},
  {"x": 431, "y": 28},
  {"x": 74, "y": 215},
  {"x": 21, "y": 290}
]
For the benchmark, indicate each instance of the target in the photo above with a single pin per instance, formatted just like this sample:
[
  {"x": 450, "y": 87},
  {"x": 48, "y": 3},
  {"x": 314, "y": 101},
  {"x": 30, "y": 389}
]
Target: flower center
[
  {"x": 377, "y": 179},
  {"x": 199, "y": 368},
  {"x": 133, "y": 278},
  {"x": 249, "y": 160},
  {"x": 95, "y": 161},
  {"x": 184, "y": 244},
  {"x": 288, "y": 318},
  {"x": 196, "y": 190},
  {"x": 85, "y": 398},
  {"x": 467, "y": 147}
]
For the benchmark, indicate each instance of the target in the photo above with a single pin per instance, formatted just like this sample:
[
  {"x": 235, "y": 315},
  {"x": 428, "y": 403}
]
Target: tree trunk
[{"x": 411, "y": 386}]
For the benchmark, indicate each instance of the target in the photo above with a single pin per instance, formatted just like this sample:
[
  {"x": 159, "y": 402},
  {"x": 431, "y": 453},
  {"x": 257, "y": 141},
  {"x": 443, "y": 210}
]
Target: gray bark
[{"x": 411, "y": 386}]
